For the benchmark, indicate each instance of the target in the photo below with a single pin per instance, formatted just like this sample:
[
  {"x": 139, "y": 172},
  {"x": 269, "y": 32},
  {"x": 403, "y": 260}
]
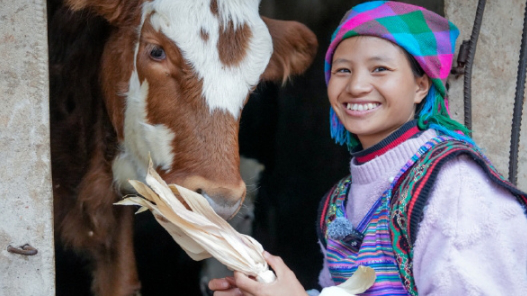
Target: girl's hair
[
  {"x": 414, "y": 65},
  {"x": 428, "y": 41},
  {"x": 418, "y": 72},
  {"x": 424, "y": 109}
]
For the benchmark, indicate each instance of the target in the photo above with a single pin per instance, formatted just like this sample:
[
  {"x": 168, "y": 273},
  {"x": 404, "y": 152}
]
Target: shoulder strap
[
  {"x": 326, "y": 208},
  {"x": 413, "y": 189}
]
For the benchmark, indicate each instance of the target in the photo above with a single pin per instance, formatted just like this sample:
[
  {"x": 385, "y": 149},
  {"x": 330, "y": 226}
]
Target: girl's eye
[
  {"x": 342, "y": 70},
  {"x": 157, "y": 53},
  {"x": 380, "y": 69}
]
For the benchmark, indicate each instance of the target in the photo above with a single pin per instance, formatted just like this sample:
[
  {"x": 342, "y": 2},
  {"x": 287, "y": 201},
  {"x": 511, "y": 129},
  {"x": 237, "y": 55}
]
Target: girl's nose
[{"x": 358, "y": 84}]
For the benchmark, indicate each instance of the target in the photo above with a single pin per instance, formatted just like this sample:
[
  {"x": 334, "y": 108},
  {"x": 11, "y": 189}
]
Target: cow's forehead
[{"x": 197, "y": 26}]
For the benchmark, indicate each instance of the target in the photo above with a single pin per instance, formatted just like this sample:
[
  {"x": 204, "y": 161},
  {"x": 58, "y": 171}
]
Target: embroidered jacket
[{"x": 412, "y": 189}]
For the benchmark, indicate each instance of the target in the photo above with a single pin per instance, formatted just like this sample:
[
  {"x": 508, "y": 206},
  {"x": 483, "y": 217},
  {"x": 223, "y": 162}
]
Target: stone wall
[{"x": 493, "y": 78}]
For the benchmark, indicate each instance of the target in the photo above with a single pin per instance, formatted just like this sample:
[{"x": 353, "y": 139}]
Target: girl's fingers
[
  {"x": 231, "y": 280},
  {"x": 221, "y": 284},
  {"x": 286, "y": 283},
  {"x": 276, "y": 263},
  {"x": 230, "y": 292},
  {"x": 246, "y": 283}
]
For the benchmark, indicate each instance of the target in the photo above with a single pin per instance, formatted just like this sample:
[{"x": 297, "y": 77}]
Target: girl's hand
[
  {"x": 224, "y": 287},
  {"x": 286, "y": 283}
]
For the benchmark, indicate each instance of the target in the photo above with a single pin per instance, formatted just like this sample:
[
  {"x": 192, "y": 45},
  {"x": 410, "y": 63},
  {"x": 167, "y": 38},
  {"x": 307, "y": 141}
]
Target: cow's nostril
[
  {"x": 222, "y": 205},
  {"x": 199, "y": 191}
]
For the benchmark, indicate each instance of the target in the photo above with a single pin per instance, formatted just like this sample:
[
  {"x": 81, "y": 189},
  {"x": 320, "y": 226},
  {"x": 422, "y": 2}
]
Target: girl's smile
[
  {"x": 372, "y": 88},
  {"x": 358, "y": 108}
]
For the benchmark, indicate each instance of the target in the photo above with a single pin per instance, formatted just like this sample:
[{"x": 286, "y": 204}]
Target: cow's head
[{"x": 176, "y": 75}]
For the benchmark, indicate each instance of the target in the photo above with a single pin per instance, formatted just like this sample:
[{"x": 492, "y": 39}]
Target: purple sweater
[{"x": 473, "y": 236}]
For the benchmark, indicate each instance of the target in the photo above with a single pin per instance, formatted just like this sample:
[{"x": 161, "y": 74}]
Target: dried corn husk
[
  {"x": 358, "y": 283},
  {"x": 202, "y": 233},
  {"x": 199, "y": 230}
]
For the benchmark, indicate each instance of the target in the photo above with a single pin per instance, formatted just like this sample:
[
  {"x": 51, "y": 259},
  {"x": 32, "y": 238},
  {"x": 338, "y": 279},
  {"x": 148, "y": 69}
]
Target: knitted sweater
[{"x": 473, "y": 236}]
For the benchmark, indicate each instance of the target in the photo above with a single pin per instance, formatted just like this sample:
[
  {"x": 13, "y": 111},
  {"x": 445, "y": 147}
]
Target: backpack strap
[
  {"x": 413, "y": 189},
  {"x": 327, "y": 207}
]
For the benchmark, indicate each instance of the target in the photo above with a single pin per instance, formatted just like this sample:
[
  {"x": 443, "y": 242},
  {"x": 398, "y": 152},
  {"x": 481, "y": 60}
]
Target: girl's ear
[{"x": 423, "y": 86}]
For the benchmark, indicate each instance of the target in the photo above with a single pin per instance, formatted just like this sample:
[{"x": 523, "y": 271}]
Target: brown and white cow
[{"x": 169, "y": 81}]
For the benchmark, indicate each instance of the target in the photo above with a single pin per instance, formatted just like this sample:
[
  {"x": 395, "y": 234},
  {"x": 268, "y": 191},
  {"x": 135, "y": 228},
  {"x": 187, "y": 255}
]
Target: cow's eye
[{"x": 157, "y": 53}]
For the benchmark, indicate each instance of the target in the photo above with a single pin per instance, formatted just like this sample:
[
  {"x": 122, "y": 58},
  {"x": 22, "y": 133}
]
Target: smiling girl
[
  {"x": 372, "y": 88},
  {"x": 422, "y": 206}
]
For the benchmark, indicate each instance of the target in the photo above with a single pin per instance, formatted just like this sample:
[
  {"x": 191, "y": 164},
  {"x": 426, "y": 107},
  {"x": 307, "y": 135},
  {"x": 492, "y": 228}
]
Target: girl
[{"x": 423, "y": 206}]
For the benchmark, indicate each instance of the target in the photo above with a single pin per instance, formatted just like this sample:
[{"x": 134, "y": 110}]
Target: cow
[{"x": 163, "y": 79}]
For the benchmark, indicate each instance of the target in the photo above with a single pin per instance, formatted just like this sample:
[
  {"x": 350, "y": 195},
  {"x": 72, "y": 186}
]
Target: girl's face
[{"x": 372, "y": 88}]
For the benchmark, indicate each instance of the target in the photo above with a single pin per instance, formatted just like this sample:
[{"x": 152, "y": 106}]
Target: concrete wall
[
  {"x": 493, "y": 78},
  {"x": 25, "y": 183}
]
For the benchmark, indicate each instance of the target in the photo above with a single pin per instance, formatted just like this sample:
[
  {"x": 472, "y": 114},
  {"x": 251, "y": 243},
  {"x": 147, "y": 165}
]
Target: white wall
[
  {"x": 493, "y": 78},
  {"x": 25, "y": 182}
]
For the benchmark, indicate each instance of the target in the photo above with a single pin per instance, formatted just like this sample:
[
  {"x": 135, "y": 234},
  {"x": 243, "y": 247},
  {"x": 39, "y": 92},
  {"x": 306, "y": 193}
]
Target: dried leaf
[
  {"x": 194, "y": 225},
  {"x": 359, "y": 282}
]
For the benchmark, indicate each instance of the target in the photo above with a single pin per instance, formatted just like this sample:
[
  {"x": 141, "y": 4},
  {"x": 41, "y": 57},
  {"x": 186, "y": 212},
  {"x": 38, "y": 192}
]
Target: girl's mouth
[{"x": 361, "y": 106}]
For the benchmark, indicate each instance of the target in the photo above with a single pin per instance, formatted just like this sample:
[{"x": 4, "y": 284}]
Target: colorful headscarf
[{"x": 427, "y": 36}]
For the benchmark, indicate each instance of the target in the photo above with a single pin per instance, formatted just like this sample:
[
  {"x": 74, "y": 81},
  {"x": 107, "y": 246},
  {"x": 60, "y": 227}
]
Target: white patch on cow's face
[
  {"x": 140, "y": 139},
  {"x": 224, "y": 88}
]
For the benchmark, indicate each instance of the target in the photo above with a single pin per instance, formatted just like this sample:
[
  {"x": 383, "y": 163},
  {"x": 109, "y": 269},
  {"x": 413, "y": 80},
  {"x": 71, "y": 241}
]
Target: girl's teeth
[{"x": 361, "y": 107}]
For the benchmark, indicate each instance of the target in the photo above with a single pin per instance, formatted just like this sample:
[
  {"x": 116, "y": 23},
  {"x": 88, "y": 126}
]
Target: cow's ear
[
  {"x": 294, "y": 47},
  {"x": 116, "y": 12}
]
